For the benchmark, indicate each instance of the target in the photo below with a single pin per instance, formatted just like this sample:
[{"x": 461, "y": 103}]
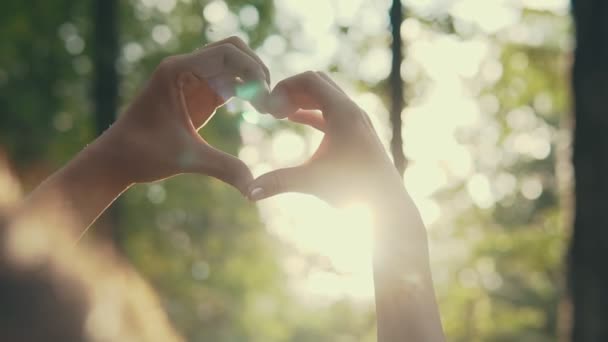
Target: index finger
[
  {"x": 310, "y": 92},
  {"x": 230, "y": 71},
  {"x": 239, "y": 43}
]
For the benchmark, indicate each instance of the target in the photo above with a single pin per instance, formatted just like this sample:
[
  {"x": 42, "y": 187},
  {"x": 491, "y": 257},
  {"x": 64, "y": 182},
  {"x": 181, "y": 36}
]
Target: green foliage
[
  {"x": 42, "y": 88},
  {"x": 508, "y": 286},
  {"x": 203, "y": 247}
]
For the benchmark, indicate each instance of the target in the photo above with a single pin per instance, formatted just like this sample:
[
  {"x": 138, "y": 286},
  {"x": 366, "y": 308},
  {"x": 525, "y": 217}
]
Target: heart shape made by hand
[
  {"x": 161, "y": 126},
  {"x": 350, "y": 161}
]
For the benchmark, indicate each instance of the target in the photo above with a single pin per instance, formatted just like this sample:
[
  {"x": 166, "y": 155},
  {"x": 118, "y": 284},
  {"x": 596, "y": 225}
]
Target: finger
[
  {"x": 230, "y": 72},
  {"x": 316, "y": 120},
  {"x": 190, "y": 87},
  {"x": 309, "y": 117},
  {"x": 247, "y": 74},
  {"x": 293, "y": 179},
  {"x": 308, "y": 91},
  {"x": 303, "y": 91},
  {"x": 223, "y": 166},
  {"x": 330, "y": 81},
  {"x": 335, "y": 85},
  {"x": 239, "y": 43}
]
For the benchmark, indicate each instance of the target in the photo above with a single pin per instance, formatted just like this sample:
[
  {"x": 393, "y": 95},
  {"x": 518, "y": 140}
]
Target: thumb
[
  {"x": 223, "y": 166},
  {"x": 292, "y": 179}
]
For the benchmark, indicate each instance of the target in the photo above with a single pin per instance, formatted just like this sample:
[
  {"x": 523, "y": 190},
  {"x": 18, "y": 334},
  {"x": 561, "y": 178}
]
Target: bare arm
[
  {"x": 77, "y": 194},
  {"x": 405, "y": 300},
  {"x": 155, "y": 138},
  {"x": 351, "y": 164},
  {"x": 55, "y": 291}
]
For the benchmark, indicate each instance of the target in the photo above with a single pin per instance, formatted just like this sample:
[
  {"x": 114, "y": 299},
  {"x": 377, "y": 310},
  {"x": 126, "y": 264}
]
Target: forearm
[
  {"x": 405, "y": 300},
  {"x": 77, "y": 194}
]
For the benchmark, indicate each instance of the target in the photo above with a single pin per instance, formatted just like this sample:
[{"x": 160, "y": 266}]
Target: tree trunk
[
  {"x": 588, "y": 254},
  {"x": 105, "y": 86},
  {"x": 396, "y": 86}
]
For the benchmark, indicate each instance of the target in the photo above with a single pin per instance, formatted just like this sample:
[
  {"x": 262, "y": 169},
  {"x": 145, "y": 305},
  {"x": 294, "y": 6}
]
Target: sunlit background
[
  {"x": 485, "y": 133},
  {"x": 480, "y": 123}
]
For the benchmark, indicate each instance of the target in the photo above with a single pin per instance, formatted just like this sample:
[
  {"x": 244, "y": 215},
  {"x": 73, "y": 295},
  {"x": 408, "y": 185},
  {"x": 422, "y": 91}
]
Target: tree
[
  {"x": 588, "y": 274},
  {"x": 37, "y": 59},
  {"x": 105, "y": 83},
  {"x": 396, "y": 86}
]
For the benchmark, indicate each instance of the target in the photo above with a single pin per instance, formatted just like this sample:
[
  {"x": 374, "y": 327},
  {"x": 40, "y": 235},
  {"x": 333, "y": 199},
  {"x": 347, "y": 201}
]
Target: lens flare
[{"x": 248, "y": 91}]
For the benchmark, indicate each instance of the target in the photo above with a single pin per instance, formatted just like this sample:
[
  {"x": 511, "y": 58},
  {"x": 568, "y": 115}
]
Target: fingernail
[{"x": 256, "y": 194}]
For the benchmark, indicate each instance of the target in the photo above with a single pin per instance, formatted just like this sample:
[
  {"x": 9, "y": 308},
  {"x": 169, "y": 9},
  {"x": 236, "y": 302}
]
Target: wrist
[
  {"x": 386, "y": 192},
  {"x": 395, "y": 212},
  {"x": 107, "y": 155}
]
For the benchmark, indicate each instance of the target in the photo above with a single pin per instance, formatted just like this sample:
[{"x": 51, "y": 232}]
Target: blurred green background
[{"x": 486, "y": 134}]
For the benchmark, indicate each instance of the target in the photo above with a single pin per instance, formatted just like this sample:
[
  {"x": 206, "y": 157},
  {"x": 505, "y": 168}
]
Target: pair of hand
[{"x": 157, "y": 136}]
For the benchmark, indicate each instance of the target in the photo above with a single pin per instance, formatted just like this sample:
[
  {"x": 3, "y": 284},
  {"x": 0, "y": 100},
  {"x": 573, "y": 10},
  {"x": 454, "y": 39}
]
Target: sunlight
[
  {"x": 490, "y": 16},
  {"x": 215, "y": 11},
  {"x": 338, "y": 240},
  {"x": 479, "y": 95},
  {"x": 288, "y": 147}
]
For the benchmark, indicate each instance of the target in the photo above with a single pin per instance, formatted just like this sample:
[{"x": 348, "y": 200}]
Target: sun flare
[{"x": 332, "y": 248}]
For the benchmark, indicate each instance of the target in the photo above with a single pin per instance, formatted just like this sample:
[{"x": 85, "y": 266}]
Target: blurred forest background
[{"x": 487, "y": 135}]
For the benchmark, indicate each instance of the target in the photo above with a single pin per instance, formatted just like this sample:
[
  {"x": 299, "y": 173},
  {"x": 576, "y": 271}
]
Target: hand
[
  {"x": 157, "y": 136},
  {"x": 350, "y": 163}
]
